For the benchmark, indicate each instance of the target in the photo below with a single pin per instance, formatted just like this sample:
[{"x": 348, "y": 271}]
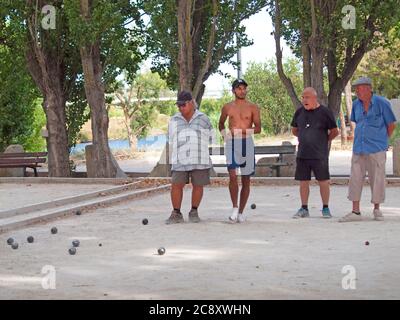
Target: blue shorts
[{"x": 240, "y": 154}]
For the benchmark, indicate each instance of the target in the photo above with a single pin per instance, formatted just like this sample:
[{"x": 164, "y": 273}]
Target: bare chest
[{"x": 240, "y": 114}]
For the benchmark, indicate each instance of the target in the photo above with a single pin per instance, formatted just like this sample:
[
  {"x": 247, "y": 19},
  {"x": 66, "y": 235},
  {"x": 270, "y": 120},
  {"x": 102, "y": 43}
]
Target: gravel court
[
  {"x": 271, "y": 256},
  {"x": 18, "y": 195}
]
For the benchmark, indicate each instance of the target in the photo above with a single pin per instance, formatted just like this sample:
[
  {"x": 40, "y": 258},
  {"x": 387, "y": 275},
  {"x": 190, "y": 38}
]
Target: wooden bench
[
  {"x": 23, "y": 160},
  {"x": 279, "y": 150}
]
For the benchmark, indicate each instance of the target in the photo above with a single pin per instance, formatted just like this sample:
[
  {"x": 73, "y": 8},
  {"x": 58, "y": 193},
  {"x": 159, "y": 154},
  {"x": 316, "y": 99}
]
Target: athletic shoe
[
  {"x": 350, "y": 217},
  {"x": 194, "y": 216},
  {"x": 176, "y": 217},
  {"x": 234, "y": 215},
  {"x": 378, "y": 216},
  {"x": 326, "y": 213},
  {"x": 241, "y": 218},
  {"x": 301, "y": 213}
]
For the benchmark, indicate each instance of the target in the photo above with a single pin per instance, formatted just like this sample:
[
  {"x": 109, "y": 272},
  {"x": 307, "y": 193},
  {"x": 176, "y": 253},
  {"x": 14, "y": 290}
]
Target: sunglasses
[{"x": 182, "y": 105}]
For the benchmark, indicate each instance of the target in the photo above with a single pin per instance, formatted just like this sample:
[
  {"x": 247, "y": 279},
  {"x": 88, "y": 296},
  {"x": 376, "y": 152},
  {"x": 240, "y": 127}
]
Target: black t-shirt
[{"x": 313, "y": 128}]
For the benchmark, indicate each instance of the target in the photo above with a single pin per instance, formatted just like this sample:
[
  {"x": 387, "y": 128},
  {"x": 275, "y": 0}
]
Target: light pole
[{"x": 239, "y": 58}]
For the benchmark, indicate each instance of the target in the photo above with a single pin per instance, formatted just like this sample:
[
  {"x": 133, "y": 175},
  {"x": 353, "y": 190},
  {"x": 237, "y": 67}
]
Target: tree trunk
[
  {"x": 349, "y": 106},
  {"x": 335, "y": 100},
  {"x": 279, "y": 64},
  {"x": 95, "y": 94},
  {"x": 133, "y": 141},
  {"x": 305, "y": 50},
  {"x": 343, "y": 130},
  {"x": 131, "y": 136},
  {"x": 317, "y": 75},
  {"x": 185, "y": 56},
  {"x": 193, "y": 70},
  {"x": 317, "y": 57},
  {"x": 57, "y": 140},
  {"x": 200, "y": 94},
  {"x": 46, "y": 67},
  {"x": 54, "y": 109}
]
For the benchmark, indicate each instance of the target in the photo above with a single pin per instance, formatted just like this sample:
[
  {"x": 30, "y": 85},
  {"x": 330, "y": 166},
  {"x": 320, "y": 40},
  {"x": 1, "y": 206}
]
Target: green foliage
[
  {"x": 144, "y": 119},
  {"x": 163, "y": 34},
  {"x": 139, "y": 101},
  {"x": 267, "y": 91},
  {"x": 212, "y": 108},
  {"x": 146, "y": 88},
  {"x": 17, "y": 99},
  {"x": 118, "y": 27},
  {"x": 383, "y": 15},
  {"x": 167, "y": 107},
  {"x": 77, "y": 112},
  {"x": 382, "y": 65},
  {"x": 35, "y": 142},
  {"x": 116, "y": 24},
  {"x": 115, "y": 112},
  {"x": 339, "y": 47},
  {"x": 62, "y": 56}
]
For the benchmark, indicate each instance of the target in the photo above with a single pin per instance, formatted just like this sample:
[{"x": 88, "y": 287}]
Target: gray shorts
[{"x": 198, "y": 177}]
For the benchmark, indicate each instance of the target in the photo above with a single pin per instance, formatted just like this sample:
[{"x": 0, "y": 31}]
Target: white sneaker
[
  {"x": 351, "y": 217},
  {"x": 234, "y": 215},
  {"x": 378, "y": 216},
  {"x": 241, "y": 218}
]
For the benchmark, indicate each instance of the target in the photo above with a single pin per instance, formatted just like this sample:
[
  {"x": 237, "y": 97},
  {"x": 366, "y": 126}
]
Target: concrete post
[{"x": 396, "y": 158}]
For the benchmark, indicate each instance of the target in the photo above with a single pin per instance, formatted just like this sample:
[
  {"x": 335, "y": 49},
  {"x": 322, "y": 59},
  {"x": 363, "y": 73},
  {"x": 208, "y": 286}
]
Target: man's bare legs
[
  {"x": 197, "y": 195},
  {"x": 233, "y": 187},
  {"x": 234, "y": 192},
  {"x": 304, "y": 192},
  {"x": 176, "y": 199},
  {"x": 324, "y": 191},
  {"x": 177, "y": 195},
  {"x": 244, "y": 193}
]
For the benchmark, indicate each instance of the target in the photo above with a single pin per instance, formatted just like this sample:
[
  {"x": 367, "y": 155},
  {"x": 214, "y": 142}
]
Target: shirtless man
[{"x": 239, "y": 145}]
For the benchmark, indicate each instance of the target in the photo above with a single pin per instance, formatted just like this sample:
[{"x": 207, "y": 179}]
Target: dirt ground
[
  {"x": 271, "y": 256},
  {"x": 16, "y": 195}
]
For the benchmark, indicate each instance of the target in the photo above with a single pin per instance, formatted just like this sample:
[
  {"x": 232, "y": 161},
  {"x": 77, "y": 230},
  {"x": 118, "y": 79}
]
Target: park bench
[
  {"x": 23, "y": 160},
  {"x": 279, "y": 150}
]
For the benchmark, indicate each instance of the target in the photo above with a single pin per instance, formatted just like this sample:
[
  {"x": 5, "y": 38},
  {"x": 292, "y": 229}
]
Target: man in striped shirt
[{"x": 189, "y": 134}]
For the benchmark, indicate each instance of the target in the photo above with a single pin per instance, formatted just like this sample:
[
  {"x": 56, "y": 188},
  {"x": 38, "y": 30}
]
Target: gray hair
[{"x": 311, "y": 90}]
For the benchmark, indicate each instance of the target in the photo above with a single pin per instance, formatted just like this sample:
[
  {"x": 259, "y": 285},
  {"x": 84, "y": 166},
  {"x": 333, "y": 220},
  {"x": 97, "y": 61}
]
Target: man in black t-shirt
[{"x": 315, "y": 126}]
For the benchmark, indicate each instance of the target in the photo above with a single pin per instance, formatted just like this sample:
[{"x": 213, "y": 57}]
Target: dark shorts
[
  {"x": 197, "y": 177},
  {"x": 319, "y": 167},
  {"x": 240, "y": 154}
]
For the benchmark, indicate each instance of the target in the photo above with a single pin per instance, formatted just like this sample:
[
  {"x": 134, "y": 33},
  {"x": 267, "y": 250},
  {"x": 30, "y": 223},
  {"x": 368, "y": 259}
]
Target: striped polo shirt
[{"x": 189, "y": 141}]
